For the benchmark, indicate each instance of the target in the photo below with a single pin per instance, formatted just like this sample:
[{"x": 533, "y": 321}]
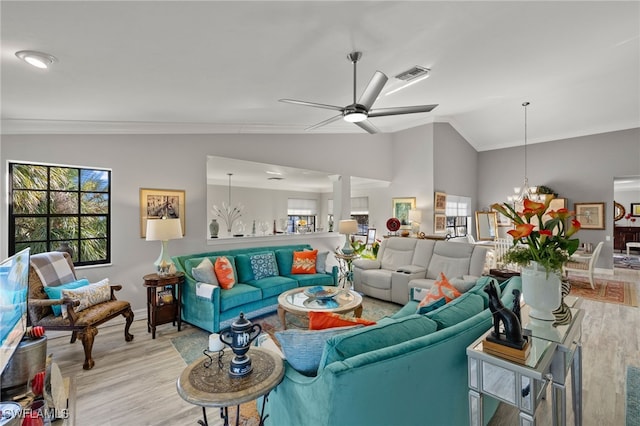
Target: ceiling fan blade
[
  {"x": 322, "y": 123},
  {"x": 381, "y": 112},
  {"x": 366, "y": 125},
  {"x": 373, "y": 89},
  {"x": 312, "y": 104}
]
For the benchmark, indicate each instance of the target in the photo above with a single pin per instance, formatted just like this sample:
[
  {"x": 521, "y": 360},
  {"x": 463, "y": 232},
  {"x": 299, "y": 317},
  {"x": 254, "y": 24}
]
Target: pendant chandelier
[
  {"x": 520, "y": 193},
  {"x": 227, "y": 212}
]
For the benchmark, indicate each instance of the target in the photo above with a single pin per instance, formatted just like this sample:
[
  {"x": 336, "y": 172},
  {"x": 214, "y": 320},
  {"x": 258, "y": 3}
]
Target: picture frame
[
  {"x": 439, "y": 222},
  {"x": 401, "y": 207},
  {"x": 371, "y": 236},
  {"x": 635, "y": 209},
  {"x": 590, "y": 215},
  {"x": 439, "y": 202},
  {"x": 156, "y": 203}
]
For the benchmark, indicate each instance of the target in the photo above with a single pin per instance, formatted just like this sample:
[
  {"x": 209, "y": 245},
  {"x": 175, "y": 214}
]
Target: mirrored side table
[{"x": 554, "y": 353}]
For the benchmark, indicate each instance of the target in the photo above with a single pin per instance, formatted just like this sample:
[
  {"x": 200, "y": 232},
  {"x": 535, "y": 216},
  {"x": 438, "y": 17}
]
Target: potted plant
[{"x": 541, "y": 249}]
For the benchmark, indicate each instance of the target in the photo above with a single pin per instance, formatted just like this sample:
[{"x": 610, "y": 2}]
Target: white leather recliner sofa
[{"x": 405, "y": 263}]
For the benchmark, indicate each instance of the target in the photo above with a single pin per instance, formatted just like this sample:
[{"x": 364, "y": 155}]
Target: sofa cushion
[
  {"x": 263, "y": 265},
  {"x": 240, "y": 294},
  {"x": 441, "y": 288},
  {"x": 377, "y": 278},
  {"x": 458, "y": 310},
  {"x": 55, "y": 292},
  {"x": 374, "y": 337},
  {"x": 225, "y": 272},
  {"x": 451, "y": 266},
  {"x": 304, "y": 262},
  {"x": 392, "y": 258},
  {"x": 284, "y": 257},
  {"x": 273, "y": 286},
  {"x": 306, "y": 280},
  {"x": 205, "y": 272},
  {"x": 321, "y": 320},
  {"x": 243, "y": 268},
  {"x": 431, "y": 306},
  {"x": 303, "y": 348}
]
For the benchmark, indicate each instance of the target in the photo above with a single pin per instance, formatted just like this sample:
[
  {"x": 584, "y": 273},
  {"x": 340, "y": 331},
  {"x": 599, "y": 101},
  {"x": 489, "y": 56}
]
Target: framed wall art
[
  {"x": 401, "y": 207},
  {"x": 439, "y": 222},
  {"x": 590, "y": 215},
  {"x": 439, "y": 202},
  {"x": 635, "y": 209},
  {"x": 159, "y": 203}
]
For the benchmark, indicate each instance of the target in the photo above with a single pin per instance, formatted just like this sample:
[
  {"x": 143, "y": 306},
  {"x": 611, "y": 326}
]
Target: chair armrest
[
  {"x": 52, "y": 302},
  {"x": 114, "y": 288},
  {"x": 366, "y": 264}
]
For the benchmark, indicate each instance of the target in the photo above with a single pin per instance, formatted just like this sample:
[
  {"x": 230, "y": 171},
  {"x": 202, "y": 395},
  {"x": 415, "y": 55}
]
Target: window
[
  {"x": 458, "y": 213},
  {"x": 50, "y": 205},
  {"x": 359, "y": 212},
  {"x": 300, "y": 209}
]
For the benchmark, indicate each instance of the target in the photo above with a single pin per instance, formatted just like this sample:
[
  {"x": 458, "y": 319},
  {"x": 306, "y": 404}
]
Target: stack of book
[{"x": 503, "y": 351}]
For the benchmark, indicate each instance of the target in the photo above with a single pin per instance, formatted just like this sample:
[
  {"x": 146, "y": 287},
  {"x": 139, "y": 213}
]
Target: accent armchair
[{"x": 82, "y": 324}]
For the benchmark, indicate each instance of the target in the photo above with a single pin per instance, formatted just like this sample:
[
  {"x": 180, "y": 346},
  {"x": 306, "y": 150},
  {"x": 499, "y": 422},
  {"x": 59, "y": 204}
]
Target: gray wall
[{"x": 579, "y": 169}]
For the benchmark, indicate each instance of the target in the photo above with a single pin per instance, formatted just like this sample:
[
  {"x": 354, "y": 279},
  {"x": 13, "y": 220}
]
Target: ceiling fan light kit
[{"x": 360, "y": 110}]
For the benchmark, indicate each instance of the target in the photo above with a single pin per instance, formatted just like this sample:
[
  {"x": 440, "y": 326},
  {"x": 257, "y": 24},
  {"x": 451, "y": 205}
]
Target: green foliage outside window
[{"x": 50, "y": 205}]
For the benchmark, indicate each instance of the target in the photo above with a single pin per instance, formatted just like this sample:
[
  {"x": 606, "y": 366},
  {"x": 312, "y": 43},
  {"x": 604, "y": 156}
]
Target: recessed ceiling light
[{"x": 37, "y": 59}]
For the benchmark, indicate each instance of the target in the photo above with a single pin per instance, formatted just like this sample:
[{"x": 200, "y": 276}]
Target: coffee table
[{"x": 297, "y": 303}]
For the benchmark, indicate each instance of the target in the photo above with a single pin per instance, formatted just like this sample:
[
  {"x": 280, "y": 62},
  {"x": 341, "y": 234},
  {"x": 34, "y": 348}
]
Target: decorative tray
[{"x": 319, "y": 292}]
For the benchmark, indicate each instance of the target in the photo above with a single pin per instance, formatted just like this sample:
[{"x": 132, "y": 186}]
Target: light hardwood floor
[{"x": 135, "y": 383}]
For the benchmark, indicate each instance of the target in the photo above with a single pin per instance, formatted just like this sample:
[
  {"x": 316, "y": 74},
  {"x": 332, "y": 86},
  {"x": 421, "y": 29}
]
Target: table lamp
[
  {"x": 163, "y": 230},
  {"x": 415, "y": 217},
  {"x": 347, "y": 227}
]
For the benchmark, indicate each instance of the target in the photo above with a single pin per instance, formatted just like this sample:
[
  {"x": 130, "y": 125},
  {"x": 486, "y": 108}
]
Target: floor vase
[{"x": 541, "y": 291}]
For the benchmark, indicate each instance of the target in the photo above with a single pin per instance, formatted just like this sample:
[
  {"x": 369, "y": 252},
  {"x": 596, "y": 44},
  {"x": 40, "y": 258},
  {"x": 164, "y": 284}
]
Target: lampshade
[
  {"x": 163, "y": 229},
  {"x": 349, "y": 226},
  {"x": 415, "y": 216}
]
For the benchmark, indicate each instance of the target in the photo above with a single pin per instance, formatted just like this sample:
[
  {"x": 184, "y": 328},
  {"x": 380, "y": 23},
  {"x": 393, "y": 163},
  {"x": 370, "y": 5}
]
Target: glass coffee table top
[{"x": 297, "y": 300}]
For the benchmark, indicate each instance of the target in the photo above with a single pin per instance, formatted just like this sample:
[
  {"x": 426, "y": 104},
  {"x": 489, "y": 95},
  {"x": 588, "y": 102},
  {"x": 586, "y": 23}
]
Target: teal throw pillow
[
  {"x": 303, "y": 348},
  {"x": 431, "y": 306},
  {"x": 55, "y": 292},
  {"x": 264, "y": 265}
]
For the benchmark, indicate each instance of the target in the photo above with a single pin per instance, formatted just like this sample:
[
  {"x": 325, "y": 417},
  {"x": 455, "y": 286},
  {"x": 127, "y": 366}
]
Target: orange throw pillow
[
  {"x": 304, "y": 262},
  {"x": 224, "y": 272},
  {"x": 440, "y": 289},
  {"x": 322, "y": 320}
]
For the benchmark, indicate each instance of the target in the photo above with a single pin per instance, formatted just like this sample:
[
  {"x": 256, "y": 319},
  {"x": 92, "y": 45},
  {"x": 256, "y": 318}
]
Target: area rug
[
  {"x": 609, "y": 291},
  {"x": 624, "y": 262},
  {"x": 633, "y": 396},
  {"x": 190, "y": 345}
]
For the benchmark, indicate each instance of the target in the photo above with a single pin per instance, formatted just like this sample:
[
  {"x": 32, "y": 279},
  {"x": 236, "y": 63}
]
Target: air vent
[
  {"x": 275, "y": 178},
  {"x": 413, "y": 73}
]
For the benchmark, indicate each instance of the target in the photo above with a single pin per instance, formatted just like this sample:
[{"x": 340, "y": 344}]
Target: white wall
[{"x": 179, "y": 162}]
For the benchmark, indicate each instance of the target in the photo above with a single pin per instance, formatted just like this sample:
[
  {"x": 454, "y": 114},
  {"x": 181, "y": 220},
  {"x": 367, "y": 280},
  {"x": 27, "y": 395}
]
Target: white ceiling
[{"x": 220, "y": 67}]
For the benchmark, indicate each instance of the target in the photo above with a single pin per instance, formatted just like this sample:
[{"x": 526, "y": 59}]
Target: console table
[{"x": 554, "y": 352}]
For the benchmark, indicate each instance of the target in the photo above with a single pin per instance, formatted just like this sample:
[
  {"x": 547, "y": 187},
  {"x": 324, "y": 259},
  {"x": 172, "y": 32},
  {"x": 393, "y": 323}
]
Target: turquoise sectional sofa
[
  {"x": 248, "y": 294},
  {"x": 367, "y": 378}
]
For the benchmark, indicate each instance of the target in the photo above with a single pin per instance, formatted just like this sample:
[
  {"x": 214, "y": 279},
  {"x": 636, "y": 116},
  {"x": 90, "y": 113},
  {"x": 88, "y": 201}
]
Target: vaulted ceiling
[{"x": 220, "y": 67}]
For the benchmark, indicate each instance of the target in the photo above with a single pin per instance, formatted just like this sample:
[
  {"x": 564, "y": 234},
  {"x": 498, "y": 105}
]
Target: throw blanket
[
  {"x": 205, "y": 290},
  {"x": 52, "y": 268}
]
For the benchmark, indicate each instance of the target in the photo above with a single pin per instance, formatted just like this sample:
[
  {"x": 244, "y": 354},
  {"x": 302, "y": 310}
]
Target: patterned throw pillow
[
  {"x": 55, "y": 292},
  {"x": 304, "y": 262},
  {"x": 204, "y": 272},
  {"x": 88, "y": 296},
  {"x": 322, "y": 320},
  {"x": 264, "y": 265},
  {"x": 224, "y": 272},
  {"x": 440, "y": 289}
]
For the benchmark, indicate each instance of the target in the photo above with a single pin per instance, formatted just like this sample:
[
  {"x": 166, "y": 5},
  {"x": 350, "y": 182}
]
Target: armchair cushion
[
  {"x": 90, "y": 295},
  {"x": 55, "y": 292}
]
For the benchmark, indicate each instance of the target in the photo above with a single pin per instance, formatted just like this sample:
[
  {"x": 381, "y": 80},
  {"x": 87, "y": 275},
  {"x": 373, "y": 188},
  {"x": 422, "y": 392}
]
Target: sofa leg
[
  {"x": 87, "y": 335},
  {"x": 128, "y": 315}
]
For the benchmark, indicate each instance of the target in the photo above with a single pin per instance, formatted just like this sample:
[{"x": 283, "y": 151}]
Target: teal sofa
[
  {"x": 419, "y": 381},
  {"x": 248, "y": 295}
]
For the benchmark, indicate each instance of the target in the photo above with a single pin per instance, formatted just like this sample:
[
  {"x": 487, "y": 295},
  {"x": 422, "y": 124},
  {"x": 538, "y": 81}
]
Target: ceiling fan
[{"x": 358, "y": 112}]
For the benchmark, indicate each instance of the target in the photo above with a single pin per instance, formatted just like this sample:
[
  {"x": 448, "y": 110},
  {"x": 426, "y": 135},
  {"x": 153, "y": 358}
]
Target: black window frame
[{"x": 53, "y": 244}]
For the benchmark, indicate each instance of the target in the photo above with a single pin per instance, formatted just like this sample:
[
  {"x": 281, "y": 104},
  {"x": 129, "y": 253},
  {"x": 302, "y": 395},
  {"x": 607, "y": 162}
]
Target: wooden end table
[
  {"x": 163, "y": 300},
  {"x": 297, "y": 303},
  {"x": 214, "y": 387}
]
